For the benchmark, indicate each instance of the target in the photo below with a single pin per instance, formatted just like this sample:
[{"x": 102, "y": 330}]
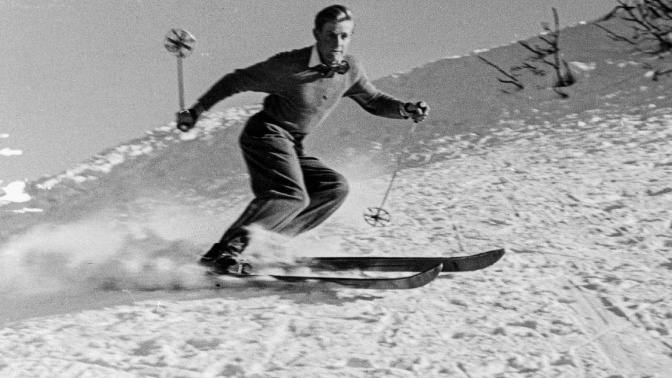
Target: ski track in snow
[{"x": 582, "y": 206}]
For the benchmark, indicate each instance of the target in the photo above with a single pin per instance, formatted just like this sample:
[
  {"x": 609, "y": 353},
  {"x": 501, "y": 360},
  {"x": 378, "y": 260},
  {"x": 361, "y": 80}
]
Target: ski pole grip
[
  {"x": 185, "y": 120},
  {"x": 419, "y": 108},
  {"x": 422, "y": 106}
]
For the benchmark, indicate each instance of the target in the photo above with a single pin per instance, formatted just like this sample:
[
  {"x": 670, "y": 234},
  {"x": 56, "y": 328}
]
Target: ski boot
[{"x": 225, "y": 258}]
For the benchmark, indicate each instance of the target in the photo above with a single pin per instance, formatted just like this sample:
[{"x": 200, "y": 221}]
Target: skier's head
[{"x": 334, "y": 26}]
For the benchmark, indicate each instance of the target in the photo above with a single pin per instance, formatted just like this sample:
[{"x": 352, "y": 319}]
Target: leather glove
[
  {"x": 418, "y": 111},
  {"x": 186, "y": 119}
]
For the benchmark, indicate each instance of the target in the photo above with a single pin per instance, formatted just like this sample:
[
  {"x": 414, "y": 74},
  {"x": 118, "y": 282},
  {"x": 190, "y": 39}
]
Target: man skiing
[{"x": 293, "y": 191}]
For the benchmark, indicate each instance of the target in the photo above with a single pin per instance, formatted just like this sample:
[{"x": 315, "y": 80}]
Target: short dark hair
[{"x": 332, "y": 13}]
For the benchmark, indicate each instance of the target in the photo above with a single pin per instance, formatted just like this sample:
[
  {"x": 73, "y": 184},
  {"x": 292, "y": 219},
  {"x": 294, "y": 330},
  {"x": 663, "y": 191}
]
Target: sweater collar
[{"x": 314, "y": 57}]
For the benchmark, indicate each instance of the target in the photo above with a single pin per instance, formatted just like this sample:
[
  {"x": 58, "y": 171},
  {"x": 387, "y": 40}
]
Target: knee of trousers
[
  {"x": 296, "y": 201},
  {"x": 342, "y": 189},
  {"x": 339, "y": 190}
]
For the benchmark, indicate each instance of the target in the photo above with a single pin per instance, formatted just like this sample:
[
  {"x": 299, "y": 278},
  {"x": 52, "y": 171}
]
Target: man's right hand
[
  {"x": 186, "y": 120},
  {"x": 418, "y": 111}
]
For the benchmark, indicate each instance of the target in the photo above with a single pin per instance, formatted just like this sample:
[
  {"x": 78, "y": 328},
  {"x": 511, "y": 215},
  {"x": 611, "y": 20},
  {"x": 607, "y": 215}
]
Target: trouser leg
[
  {"x": 293, "y": 192},
  {"x": 277, "y": 183},
  {"x": 327, "y": 190}
]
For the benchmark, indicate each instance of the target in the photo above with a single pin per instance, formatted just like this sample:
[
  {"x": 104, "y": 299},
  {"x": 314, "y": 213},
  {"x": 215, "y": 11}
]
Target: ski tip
[
  {"x": 437, "y": 269},
  {"x": 425, "y": 277},
  {"x": 479, "y": 261},
  {"x": 492, "y": 255},
  {"x": 498, "y": 253}
]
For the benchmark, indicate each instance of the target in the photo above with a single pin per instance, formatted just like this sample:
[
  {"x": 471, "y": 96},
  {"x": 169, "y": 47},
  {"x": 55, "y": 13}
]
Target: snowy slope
[{"x": 578, "y": 191}]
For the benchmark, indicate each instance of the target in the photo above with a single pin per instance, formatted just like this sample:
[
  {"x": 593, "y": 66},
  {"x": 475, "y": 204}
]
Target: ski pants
[{"x": 293, "y": 192}]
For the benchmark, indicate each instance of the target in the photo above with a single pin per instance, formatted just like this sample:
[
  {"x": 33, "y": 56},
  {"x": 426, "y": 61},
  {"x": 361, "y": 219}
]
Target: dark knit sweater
[{"x": 299, "y": 97}]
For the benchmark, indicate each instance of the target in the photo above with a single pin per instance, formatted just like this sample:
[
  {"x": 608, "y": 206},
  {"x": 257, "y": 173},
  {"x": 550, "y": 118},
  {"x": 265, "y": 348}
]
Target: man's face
[{"x": 333, "y": 40}]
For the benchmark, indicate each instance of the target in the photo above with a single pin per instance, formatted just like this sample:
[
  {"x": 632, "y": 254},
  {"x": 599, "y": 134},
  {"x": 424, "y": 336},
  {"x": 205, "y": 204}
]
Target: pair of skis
[{"x": 425, "y": 270}]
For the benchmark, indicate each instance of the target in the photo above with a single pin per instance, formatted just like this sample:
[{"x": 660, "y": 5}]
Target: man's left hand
[{"x": 418, "y": 111}]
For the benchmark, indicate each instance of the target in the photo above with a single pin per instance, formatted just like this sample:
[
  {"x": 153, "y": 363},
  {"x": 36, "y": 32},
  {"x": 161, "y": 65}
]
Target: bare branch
[
  {"x": 658, "y": 73},
  {"x": 651, "y": 21},
  {"x": 560, "y": 93},
  {"x": 556, "y": 47},
  {"x": 513, "y": 80},
  {"x": 527, "y": 46},
  {"x": 665, "y": 8},
  {"x": 548, "y": 41},
  {"x": 535, "y": 70},
  {"x": 615, "y": 36},
  {"x": 540, "y": 53},
  {"x": 516, "y": 83}
]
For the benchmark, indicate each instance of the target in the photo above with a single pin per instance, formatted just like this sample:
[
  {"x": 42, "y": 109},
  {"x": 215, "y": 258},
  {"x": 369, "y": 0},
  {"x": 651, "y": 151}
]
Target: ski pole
[
  {"x": 378, "y": 216},
  {"x": 180, "y": 43},
  {"x": 180, "y": 82}
]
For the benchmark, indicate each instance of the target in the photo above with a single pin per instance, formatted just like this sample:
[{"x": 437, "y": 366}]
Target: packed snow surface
[{"x": 583, "y": 208}]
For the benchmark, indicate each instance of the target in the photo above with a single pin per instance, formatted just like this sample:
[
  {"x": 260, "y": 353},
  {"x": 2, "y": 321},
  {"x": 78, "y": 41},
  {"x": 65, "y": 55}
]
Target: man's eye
[{"x": 343, "y": 36}]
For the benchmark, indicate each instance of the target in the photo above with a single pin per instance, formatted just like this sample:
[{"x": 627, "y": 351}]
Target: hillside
[{"x": 576, "y": 189}]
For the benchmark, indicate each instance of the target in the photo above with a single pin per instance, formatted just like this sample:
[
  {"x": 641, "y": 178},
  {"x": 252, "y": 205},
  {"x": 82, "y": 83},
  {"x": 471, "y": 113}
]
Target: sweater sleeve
[
  {"x": 371, "y": 99},
  {"x": 255, "y": 78}
]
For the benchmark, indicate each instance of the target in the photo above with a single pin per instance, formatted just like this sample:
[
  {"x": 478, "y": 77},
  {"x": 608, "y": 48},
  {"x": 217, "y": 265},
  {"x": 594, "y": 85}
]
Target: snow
[
  {"x": 26, "y": 210},
  {"x": 583, "y": 66},
  {"x": 10, "y": 152},
  {"x": 14, "y": 192},
  {"x": 99, "y": 276}
]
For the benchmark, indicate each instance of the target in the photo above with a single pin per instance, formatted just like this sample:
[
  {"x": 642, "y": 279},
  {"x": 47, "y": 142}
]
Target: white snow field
[{"x": 99, "y": 277}]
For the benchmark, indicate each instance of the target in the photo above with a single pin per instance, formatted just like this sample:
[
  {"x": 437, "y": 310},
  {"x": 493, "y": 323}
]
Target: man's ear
[{"x": 315, "y": 34}]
